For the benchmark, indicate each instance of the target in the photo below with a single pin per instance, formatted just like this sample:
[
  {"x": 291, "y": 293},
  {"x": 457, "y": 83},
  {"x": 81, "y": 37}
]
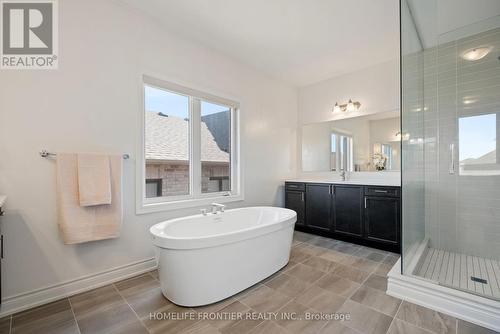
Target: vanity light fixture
[
  {"x": 349, "y": 106},
  {"x": 469, "y": 101},
  {"x": 476, "y": 53},
  {"x": 400, "y": 136},
  {"x": 336, "y": 108}
]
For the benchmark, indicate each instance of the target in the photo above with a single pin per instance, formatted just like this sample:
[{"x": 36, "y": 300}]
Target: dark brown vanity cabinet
[
  {"x": 367, "y": 215},
  {"x": 319, "y": 206},
  {"x": 295, "y": 199},
  {"x": 382, "y": 217},
  {"x": 348, "y": 210}
]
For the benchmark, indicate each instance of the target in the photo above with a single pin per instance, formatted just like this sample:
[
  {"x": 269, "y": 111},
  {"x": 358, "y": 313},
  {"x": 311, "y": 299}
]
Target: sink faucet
[
  {"x": 342, "y": 174},
  {"x": 216, "y": 207}
]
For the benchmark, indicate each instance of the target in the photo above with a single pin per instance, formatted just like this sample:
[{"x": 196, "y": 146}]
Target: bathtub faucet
[{"x": 216, "y": 207}]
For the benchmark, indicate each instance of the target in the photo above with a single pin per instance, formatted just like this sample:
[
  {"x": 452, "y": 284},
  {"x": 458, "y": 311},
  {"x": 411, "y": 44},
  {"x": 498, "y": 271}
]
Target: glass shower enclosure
[{"x": 450, "y": 123}]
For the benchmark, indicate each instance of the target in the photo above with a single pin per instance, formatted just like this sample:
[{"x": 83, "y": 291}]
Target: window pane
[
  {"x": 387, "y": 152},
  {"x": 478, "y": 140},
  {"x": 346, "y": 154},
  {"x": 153, "y": 187},
  {"x": 333, "y": 155},
  {"x": 215, "y": 147},
  {"x": 166, "y": 143}
]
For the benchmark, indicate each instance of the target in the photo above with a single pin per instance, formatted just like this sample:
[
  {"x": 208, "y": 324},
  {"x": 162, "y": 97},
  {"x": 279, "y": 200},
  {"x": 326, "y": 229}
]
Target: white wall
[
  {"x": 376, "y": 87},
  {"x": 91, "y": 103}
]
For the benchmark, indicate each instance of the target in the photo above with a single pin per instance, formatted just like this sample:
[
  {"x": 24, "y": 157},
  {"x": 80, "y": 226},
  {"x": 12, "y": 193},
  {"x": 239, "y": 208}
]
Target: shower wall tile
[
  {"x": 461, "y": 212},
  {"x": 431, "y": 148}
]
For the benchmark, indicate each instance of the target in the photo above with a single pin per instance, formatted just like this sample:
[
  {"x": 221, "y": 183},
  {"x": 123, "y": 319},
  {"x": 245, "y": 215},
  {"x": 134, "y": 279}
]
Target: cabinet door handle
[
  {"x": 332, "y": 190},
  {"x": 302, "y": 196},
  {"x": 380, "y": 191},
  {"x": 365, "y": 202},
  {"x": 292, "y": 186}
]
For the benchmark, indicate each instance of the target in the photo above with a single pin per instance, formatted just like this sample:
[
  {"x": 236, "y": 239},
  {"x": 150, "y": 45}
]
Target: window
[
  {"x": 387, "y": 152},
  {"x": 333, "y": 156},
  {"x": 478, "y": 143},
  {"x": 154, "y": 187},
  {"x": 190, "y": 148},
  {"x": 341, "y": 152},
  {"x": 215, "y": 147},
  {"x": 167, "y": 141}
]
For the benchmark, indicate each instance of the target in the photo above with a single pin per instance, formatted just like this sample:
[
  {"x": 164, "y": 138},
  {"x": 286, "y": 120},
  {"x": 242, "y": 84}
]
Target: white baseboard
[
  {"x": 46, "y": 295},
  {"x": 466, "y": 306}
]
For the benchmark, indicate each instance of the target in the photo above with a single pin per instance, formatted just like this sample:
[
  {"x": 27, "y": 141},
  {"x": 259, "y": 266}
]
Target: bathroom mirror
[{"x": 364, "y": 143}]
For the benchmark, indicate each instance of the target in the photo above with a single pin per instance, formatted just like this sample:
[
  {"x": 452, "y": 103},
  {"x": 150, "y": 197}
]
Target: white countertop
[{"x": 387, "y": 183}]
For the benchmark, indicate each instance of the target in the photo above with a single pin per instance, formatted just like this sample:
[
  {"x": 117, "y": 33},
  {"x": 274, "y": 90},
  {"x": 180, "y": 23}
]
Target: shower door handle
[{"x": 452, "y": 159}]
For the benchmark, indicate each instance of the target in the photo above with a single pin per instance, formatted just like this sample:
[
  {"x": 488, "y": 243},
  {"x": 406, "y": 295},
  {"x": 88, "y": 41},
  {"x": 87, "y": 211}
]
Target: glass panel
[
  {"x": 215, "y": 147},
  {"x": 450, "y": 116},
  {"x": 475, "y": 232},
  {"x": 412, "y": 155},
  {"x": 166, "y": 143},
  {"x": 333, "y": 155}
]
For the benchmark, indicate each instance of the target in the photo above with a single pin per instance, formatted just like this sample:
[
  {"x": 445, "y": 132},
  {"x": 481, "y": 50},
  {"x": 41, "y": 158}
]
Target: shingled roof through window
[{"x": 166, "y": 138}]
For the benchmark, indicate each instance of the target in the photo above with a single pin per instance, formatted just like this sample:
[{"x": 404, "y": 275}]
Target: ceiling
[
  {"x": 298, "y": 41},
  {"x": 441, "y": 21}
]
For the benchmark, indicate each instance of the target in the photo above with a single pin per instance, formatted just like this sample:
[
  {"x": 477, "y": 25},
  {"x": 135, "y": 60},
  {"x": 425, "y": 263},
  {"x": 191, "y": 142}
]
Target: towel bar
[{"x": 46, "y": 154}]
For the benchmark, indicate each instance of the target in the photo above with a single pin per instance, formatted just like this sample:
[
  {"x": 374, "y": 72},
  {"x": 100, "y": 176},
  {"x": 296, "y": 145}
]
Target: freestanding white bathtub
[{"x": 204, "y": 259}]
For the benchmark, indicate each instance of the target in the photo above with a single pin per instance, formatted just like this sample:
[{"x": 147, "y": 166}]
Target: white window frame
[{"x": 195, "y": 198}]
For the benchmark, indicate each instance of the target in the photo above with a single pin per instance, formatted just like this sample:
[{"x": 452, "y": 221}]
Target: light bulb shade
[
  {"x": 476, "y": 53},
  {"x": 350, "y": 106},
  {"x": 336, "y": 107}
]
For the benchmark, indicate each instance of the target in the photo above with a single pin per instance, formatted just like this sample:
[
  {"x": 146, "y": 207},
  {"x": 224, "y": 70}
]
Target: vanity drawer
[
  {"x": 382, "y": 191},
  {"x": 295, "y": 186}
]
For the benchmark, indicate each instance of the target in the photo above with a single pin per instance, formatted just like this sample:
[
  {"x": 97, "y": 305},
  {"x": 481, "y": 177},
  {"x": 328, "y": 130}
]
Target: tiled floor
[{"x": 323, "y": 277}]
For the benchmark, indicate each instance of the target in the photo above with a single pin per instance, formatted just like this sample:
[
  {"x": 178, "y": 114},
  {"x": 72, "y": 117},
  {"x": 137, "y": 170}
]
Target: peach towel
[
  {"x": 94, "y": 179},
  {"x": 87, "y": 223}
]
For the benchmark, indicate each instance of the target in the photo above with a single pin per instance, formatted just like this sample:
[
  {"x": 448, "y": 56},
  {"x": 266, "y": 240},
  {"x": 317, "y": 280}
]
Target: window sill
[{"x": 184, "y": 204}]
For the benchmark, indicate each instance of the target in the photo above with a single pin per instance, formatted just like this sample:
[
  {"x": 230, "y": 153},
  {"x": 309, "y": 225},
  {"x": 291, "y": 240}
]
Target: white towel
[
  {"x": 79, "y": 223},
  {"x": 94, "y": 179}
]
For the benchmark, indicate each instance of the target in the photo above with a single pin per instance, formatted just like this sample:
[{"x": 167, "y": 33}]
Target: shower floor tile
[{"x": 465, "y": 272}]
